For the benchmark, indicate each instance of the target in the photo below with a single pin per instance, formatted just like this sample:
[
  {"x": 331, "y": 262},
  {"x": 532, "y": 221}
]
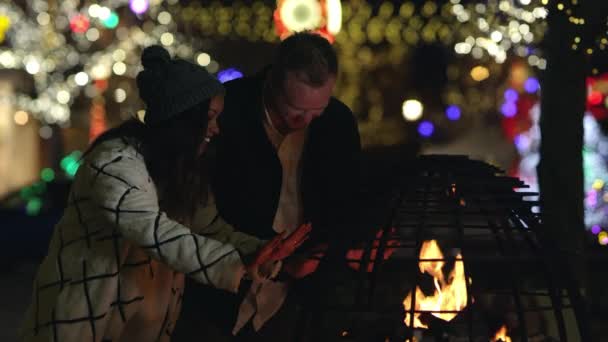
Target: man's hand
[
  {"x": 355, "y": 256},
  {"x": 299, "y": 266},
  {"x": 264, "y": 265}
]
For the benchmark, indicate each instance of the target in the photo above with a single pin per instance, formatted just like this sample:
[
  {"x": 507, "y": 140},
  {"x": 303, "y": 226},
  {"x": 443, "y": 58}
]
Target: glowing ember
[
  {"x": 450, "y": 294},
  {"x": 501, "y": 335}
]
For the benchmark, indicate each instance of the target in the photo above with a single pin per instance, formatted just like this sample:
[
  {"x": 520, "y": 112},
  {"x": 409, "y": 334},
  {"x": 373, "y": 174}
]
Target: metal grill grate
[{"x": 471, "y": 209}]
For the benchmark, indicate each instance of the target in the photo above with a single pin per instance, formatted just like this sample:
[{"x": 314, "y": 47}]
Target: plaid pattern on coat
[{"x": 115, "y": 265}]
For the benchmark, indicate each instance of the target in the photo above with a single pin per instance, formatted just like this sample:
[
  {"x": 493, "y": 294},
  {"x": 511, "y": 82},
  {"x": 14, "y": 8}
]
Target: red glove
[
  {"x": 277, "y": 249},
  {"x": 355, "y": 255}
]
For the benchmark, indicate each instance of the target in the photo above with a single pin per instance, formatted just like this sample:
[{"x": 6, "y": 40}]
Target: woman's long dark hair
[{"x": 171, "y": 153}]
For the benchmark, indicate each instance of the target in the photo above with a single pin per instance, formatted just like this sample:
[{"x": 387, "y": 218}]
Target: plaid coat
[{"x": 116, "y": 263}]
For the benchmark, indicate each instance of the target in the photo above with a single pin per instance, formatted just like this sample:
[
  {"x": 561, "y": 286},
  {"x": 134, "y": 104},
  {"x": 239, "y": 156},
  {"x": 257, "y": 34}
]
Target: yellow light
[
  {"x": 94, "y": 10},
  {"x": 589, "y": 51},
  {"x": 504, "y": 5},
  {"x": 120, "y": 95},
  {"x": 166, "y": 38},
  {"x": 480, "y": 73},
  {"x": 334, "y": 16},
  {"x": 602, "y": 238},
  {"x": 429, "y": 8},
  {"x": 386, "y": 10},
  {"x": 164, "y": 17},
  {"x": 100, "y": 72},
  {"x": 407, "y": 9},
  {"x": 299, "y": 15},
  {"x": 604, "y": 41},
  {"x": 412, "y": 110},
  {"x": 533, "y": 60},
  {"x": 32, "y": 66},
  {"x": 92, "y": 34},
  {"x": 21, "y": 117},
  {"x": 43, "y": 18},
  {"x": 119, "y": 68},
  {"x": 577, "y": 39},
  {"x": 119, "y": 55},
  {"x": 81, "y": 78},
  {"x": 5, "y": 23},
  {"x": 496, "y": 36},
  {"x": 203, "y": 59},
  {"x": 598, "y": 184},
  {"x": 63, "y": 97},
  {"x": 560, "y": 6},
  {"x": 574, "y": 46},
  {"x": 544, "y": 2},
  {"x": 141, "y": 115}
]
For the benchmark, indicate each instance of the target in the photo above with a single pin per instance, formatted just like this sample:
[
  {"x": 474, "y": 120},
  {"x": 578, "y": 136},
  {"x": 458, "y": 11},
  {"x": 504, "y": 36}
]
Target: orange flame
[
  {"x": 449, "y": 295},
  {"x": 501, "y": 335}
]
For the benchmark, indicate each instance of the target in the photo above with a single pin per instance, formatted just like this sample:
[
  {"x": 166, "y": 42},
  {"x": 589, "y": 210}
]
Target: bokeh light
[
  {"x": 139, "y": 6},
  {"x": 112, "y": 21},
  {"x": 596, "y": 229},
  {"x": 602, "y": 238},
  {"x": 412, "y": 110},
  {"x": 508, "y": 109},
  {"x": 426, "y": 129},
  {"x": 21, "y": 117},
  {"x": 453, "y": 112},
  {"x": 229, "y": 75},
  {"x": 511, "y": 95},
  {"x": 532, "y": 85}
]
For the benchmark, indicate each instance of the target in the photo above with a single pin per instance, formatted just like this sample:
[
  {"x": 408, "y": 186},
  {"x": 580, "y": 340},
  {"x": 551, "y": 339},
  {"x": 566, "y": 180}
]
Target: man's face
[{"x": 299, "y": 103}]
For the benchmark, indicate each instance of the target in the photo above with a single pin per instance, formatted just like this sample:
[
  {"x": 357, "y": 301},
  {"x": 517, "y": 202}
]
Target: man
[{"x": 288, "y": 154}]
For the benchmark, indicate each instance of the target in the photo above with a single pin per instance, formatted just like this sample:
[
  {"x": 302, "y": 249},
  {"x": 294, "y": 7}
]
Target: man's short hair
[{"x": 310, "y": 56}]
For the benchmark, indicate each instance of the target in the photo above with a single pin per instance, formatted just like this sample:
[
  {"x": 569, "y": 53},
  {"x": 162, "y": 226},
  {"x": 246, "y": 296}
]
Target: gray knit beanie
[{"x": 171, "y": 86}]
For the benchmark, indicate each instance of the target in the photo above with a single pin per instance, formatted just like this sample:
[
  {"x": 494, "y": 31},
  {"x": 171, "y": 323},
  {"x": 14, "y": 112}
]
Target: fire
[
  {"x": 450, "y": 294},
  {"x": 501, "y": 335}
]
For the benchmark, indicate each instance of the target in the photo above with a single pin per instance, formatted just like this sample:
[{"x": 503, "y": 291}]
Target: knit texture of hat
[{"x": 171, "y": 86}]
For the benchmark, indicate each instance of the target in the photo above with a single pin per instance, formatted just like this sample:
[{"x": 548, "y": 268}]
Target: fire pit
[{"x": 466, "y": 266}]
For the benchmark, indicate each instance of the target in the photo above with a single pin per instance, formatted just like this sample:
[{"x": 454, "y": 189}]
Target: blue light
[
  {"x": 426, "y": 129},
  {"x": 229, "y": 75},
  {"x": 508, "y": 109},
  {"x": 511, "y": 95},
  {"x": 453, "y": 112},
  {"x": 532, "y": 85},
  {"x": 522, "y": 142}
]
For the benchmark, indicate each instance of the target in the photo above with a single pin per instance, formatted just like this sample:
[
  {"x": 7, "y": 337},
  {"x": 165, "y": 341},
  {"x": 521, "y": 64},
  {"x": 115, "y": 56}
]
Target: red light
[
  {"x": 79, "y": 23},
  {"x": 595, "y": 98}
]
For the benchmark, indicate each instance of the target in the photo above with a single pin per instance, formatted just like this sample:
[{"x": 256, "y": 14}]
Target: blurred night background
[{"x": 422, "y": 77}]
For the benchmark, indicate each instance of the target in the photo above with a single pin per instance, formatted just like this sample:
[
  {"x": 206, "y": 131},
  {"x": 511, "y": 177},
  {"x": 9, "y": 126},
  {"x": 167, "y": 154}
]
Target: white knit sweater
[{"x": 116, "y": 263}]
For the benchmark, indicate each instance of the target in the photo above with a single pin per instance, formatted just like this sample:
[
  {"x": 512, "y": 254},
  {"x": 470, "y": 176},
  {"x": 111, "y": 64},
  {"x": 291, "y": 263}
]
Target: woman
[{"x": 117, "y": 259}]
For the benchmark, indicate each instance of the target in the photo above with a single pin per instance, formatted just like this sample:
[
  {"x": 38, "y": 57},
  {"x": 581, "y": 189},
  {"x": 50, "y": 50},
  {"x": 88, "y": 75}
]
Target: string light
[
  {"x": 412, "y": 110},
  {"x": 21, "y": 118}
]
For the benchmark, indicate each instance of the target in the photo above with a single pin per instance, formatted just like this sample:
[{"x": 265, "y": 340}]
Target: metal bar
[
  {"x": 416, "y": 268},
  {"x": 458, "y": 223},
  {"x": 516, "y": 295},
  {"x": 556, "y": 299},
  {"x": 395, "y": 311}
]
